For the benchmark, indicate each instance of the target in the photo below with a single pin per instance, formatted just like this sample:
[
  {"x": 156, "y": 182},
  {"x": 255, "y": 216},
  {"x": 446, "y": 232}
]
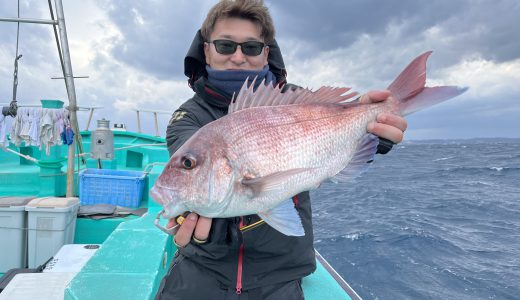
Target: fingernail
[
  {"x": 192, "y": 217},
  {"x": 370, "y": 126}
]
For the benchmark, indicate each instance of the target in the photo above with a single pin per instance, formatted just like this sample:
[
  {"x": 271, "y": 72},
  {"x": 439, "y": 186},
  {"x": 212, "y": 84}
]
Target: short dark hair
[{"x": 252, "y": 10}]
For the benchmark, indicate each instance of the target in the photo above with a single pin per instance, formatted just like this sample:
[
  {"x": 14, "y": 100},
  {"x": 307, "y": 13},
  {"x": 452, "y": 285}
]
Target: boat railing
[
  {"x": 155, "y": 112},
  {"x": 91, "y": 112},
  {"x": 342, "y": 283}
]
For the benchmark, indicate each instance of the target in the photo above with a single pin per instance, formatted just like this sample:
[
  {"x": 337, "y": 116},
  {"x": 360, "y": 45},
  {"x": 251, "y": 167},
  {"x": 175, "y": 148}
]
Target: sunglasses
[{"x": 249, "y": 48}]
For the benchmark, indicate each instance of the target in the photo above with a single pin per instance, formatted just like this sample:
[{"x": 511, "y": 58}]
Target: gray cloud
[
  {"x": 484, "y": 26},
  {"x": 34, "y": 38},
  {"x": 158, "y": 44},
  {"x": 330, "y": 24}
]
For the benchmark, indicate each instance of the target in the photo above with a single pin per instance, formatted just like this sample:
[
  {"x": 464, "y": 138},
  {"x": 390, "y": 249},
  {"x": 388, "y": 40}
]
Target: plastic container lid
[
  {"x": 71, "y": 258},
  {"x": 53, "y": 202},
  {"x": 14, "y": 201},
  {"x": 49, "y": 286}
]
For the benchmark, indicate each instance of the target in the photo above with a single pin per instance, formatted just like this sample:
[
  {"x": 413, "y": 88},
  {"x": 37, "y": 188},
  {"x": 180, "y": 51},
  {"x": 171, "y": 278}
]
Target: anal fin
[{"x": 285, "y": 219}]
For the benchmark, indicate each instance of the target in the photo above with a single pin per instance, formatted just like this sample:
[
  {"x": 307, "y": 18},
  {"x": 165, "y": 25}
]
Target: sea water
[{"x": 429, "y": 220}]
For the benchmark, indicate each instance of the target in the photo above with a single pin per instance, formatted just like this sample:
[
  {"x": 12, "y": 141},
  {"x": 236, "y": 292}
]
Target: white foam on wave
[
  {"x": 478, "y": 182},
  {"x": 444, "y": 158},
  {"x": 352, "y": 237}
]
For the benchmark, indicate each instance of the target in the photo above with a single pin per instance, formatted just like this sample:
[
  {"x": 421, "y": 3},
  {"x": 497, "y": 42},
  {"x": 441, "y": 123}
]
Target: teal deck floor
[{"x": 132, "y": 261}]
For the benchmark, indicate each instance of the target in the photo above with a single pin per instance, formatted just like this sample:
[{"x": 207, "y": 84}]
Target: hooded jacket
[{"x": 264, "y": 255}]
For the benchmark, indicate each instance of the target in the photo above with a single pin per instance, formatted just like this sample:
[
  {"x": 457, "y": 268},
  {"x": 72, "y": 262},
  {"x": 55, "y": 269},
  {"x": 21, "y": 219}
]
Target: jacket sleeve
[{"x": 183, "y": 124}]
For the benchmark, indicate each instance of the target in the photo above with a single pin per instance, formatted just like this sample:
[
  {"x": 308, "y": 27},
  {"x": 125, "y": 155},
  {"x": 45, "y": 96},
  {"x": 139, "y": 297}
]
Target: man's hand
[
  {"x": 387, "y": 125},
  {"x": 193, "y": 226}
]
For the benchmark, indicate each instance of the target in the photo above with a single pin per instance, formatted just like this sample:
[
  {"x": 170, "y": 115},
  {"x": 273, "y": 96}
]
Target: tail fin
[{"x": 409, "y": 88}]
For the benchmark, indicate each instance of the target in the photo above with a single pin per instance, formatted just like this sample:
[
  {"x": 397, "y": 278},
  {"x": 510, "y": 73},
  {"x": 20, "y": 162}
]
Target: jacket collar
[{"x": 211, "y": 94}]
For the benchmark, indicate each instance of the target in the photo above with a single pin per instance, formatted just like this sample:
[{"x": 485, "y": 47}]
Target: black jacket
[{"x": 269, "y": 257}]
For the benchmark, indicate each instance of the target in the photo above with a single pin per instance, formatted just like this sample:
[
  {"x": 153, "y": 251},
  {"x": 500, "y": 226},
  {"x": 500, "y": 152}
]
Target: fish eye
[{"x": 188, "y": 163}]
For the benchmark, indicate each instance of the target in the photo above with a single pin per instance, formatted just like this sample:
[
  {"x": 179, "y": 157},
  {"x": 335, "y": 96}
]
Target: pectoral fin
[
  {"x": 285, "y": 219},
  {"x": 272, "y": 181}
]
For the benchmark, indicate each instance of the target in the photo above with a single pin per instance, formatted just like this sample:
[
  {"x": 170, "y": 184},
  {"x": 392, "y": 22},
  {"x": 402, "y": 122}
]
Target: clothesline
[{"x": 36, "y": 126}]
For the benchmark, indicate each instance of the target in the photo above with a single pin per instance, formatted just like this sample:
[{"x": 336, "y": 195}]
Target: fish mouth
[
  {"x": 165, "y": 198},
  {"x": 162, "y": 187},
  {"x": 161, "y": 194}
]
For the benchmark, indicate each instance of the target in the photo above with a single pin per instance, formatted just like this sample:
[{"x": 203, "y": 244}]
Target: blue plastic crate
[{"x": 123, "y": 188}]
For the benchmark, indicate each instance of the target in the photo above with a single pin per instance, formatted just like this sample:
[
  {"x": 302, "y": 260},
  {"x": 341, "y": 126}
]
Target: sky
[{"x": 133, "y": 52}]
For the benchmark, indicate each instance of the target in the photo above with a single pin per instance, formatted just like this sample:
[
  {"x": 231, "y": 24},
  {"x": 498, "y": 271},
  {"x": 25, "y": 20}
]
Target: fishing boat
[{"x": 131, "y": 255}]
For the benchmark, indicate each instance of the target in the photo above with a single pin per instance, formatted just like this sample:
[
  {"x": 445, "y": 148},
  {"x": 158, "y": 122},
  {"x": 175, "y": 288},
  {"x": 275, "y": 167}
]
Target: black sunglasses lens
[
  {"x": 226, "y": 47},
  {"x": 252, "y": 48}
]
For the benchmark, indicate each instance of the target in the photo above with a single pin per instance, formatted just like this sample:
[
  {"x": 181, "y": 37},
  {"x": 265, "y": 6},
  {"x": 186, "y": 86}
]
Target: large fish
[{"x": 273, "y": 145}]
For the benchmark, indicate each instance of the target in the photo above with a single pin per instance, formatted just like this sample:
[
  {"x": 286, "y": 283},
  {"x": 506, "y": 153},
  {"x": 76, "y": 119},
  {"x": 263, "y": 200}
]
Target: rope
[
  {"x": 140, "y": 145},
  {"x": 13, "y": 107},
  {"x": 22, "y": 155},
  {"x": 54, "y": 175},
  {"x": 16, "y": 57},
  {"x": 127, "y": 147}
]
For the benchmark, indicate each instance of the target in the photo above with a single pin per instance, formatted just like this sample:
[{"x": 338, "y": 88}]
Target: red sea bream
[{"x": 273, "y": 145}]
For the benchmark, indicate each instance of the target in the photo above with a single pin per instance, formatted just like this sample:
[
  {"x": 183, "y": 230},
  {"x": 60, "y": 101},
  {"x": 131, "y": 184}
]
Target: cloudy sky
[{"x": 133, "y": 50}]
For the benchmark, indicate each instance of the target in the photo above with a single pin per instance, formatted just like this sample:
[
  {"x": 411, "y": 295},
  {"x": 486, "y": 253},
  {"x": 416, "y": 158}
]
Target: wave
[
  {"x": 346, "y": 237},
  {"x": 444, "y": 158},
  {"x": 492, "y": 170}
]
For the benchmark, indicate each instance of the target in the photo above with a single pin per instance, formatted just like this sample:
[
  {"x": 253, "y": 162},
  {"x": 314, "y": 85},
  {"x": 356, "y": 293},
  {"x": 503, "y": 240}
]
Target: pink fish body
[{"x": 272, "y": 146}]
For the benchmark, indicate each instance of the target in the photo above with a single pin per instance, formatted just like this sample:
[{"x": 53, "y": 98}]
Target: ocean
[{"x": 430, "y": 220}]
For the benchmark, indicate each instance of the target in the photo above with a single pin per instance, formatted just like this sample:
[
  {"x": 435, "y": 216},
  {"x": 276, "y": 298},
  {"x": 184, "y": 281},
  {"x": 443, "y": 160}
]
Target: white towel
[
  {"x": 16, "y": 126},
  {"x": 46, "y": 129},
  {"x": 34, "y": 128},
  {"x": 4, "y": 142}
]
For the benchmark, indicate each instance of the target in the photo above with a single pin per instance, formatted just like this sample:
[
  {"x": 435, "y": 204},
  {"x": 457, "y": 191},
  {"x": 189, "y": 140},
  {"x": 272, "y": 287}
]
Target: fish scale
[{"x": 316, "y": 131}]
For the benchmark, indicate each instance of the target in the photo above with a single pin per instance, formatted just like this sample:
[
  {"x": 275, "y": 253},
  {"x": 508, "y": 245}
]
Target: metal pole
[
  {"x": 74, "y": 77},
  {"x": 34, "y": 21},
  {"x": 89, "y": 118},
  {"x": 156, "y": 125},
  {"x": 138, "y": 123},
  {"x": 69, "y": 82}
]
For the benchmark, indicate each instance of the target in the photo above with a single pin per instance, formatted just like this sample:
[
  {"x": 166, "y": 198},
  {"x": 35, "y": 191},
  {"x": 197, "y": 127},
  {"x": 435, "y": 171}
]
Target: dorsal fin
[{"x": 269, "y": 95}]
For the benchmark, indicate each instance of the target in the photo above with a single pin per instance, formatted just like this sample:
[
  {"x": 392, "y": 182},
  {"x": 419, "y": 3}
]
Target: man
[{"x": 242, "y": 257}]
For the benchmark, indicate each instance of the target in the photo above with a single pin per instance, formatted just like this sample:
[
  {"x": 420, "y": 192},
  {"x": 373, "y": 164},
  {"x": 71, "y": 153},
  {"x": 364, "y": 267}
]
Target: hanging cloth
[
  {"x": 42, "y": 127},
  {"x": 4, "y": 142}
]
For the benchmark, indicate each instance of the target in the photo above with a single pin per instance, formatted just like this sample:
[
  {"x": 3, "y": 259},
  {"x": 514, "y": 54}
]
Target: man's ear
[
  {"x": 266, "y": 55},
  {"x": 206, "y": 52}
]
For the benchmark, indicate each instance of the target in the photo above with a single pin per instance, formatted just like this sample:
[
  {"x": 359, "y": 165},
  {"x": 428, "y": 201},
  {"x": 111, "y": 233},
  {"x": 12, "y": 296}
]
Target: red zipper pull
[{"x": 240, "y": 262}]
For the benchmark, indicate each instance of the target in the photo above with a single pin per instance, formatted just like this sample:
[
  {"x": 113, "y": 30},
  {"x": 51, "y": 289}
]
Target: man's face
[{"x": 237, "y": 30}]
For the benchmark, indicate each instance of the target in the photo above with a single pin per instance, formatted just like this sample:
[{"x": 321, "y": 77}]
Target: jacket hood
[{"x": 195, "y": 61}]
